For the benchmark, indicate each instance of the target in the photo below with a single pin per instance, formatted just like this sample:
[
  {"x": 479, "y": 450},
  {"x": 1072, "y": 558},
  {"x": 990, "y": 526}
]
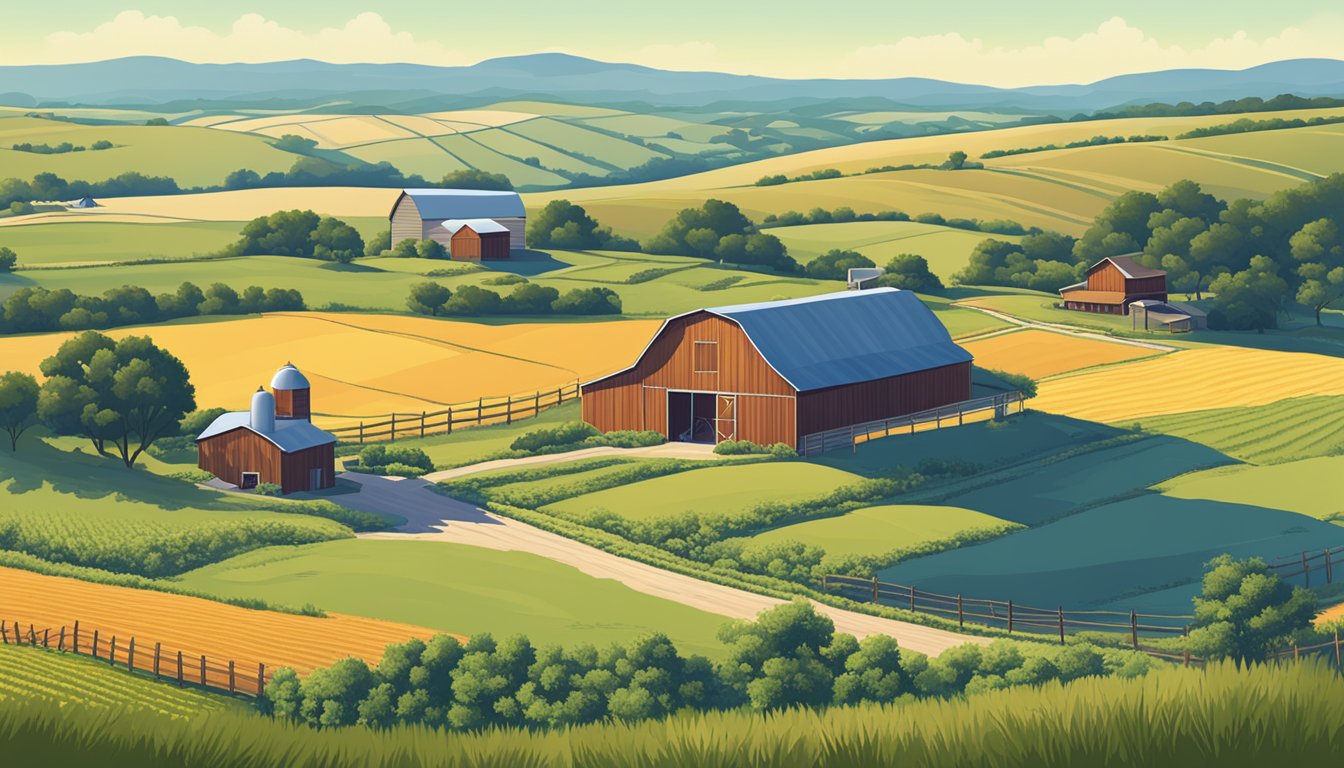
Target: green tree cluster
[
  {"x": 35, "y": 309},
  {"x": 562, "y": 224},
  {"x": 1041, "y": 261},
  {"x": 299, "y": 233},
  {"x": 472, "y": 178},
  {"x": 7, "y": 259},
  {"x": 719, "y": 230},
  {"x": 1245, "y": 611},
  {"x": 434, "y": 299}
]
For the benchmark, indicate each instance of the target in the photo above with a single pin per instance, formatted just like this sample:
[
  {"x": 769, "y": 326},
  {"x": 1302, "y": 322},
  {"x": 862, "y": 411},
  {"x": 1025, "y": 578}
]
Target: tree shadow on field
[
  {"x": 11, "y": 283},
  {"x": 337, "y": 267},
  {"x": 527, "y": 263}
]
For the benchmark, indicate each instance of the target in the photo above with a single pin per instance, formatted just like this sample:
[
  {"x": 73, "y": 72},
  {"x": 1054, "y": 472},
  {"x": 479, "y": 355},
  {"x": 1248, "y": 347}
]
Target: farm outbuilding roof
[
  {"x": 289, "y": 435},
  {"x": 289, "y": 377},
  {"x": 841, "y": 338},
  {"x": 479, "y": 226},
  {"x": 465, "y": 203},
  {"x": 1129, "y": 267}
]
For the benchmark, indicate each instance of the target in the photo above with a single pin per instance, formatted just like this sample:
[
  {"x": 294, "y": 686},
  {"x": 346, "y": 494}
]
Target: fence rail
[
  {"x": 484, "y": 411},
  {"x": 910, "y": 423},
  {"x": 1321, "y": 563},
  {"x": 133, "y": 655}
]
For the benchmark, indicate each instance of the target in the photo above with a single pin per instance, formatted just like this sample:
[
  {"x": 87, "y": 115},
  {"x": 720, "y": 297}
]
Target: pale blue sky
[{"x": 1031, "y": 41}]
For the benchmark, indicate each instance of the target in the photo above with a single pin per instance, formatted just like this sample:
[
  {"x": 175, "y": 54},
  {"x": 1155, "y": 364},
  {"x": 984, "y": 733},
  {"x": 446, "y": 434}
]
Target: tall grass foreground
[{"x": 1224, "y": 716}]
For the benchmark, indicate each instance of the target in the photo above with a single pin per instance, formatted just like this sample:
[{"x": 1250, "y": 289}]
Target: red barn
[
  {"x": 476, "y": 239},
  {"x": 776, "y": 371},
  {"x": 274, "y": 442},
  {"x": 1113, "y": 284}
]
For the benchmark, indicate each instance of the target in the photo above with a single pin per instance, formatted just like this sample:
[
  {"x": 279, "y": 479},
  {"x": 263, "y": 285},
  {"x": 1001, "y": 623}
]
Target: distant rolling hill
[{"x": 152, "y": 80}]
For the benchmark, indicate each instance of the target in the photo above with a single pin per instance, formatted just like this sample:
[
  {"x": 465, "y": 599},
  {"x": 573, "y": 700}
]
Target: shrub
[
  {"x": 746, "y": 447},
  {"x": 628, "y": 438},
  {"x": 569, "y": 433},
  {"x": 268, "y": 489},
  {"x": 388, "y": 456},
  {"x": 397, "y": 469}
]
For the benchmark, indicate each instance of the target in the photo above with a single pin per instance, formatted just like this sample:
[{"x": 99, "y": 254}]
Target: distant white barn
[
  {"x": 84, "y": 202},
  {"x": 420, "y": 214}
]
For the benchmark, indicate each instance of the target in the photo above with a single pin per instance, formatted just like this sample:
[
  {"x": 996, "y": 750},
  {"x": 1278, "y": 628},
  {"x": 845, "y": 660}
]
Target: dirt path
[
  {"x": 664, "y": 451},
  {"x": 434, "y": 517},
  {"x": 1058, "y": 328}
]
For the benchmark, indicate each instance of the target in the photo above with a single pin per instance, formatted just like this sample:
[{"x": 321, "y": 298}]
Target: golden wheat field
[
  {"x": 194, "y": 625},
  {"x": 235, "y": 205},
  {"x": 370, "y": 365},
  {"x": 1040, "y": 354},
  {"x": 1190, "y": 380}
]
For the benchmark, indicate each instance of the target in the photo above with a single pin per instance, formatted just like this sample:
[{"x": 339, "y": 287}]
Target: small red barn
[
  {"x": 476, "y": 239},
  {"x": 274, "y": 442},
  {"x": 1113, "y": 284},
  {"x": 776, "y": 371}
]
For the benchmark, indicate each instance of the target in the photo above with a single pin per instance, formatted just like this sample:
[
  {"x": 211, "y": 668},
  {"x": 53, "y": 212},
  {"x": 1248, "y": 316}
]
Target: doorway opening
[
  {"x": 691, "y": 417},
  {"x": 250, "y": 480}
]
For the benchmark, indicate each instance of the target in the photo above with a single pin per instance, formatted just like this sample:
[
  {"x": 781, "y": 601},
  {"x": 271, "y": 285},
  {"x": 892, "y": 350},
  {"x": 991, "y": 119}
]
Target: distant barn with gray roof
[
  {"x": 421, "y": 214},
  {"x": 776, "y": 371}
]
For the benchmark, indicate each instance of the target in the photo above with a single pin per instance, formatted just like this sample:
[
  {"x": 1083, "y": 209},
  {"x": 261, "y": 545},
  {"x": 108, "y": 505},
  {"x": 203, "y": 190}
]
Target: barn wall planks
[
  {"x": 296, "y": 467},
  {"x": 293, "y": 404},
  {"x": 229, "y": 455},
  {"x": 824, "y": 409},
  {"x": 406, "y": 221}
]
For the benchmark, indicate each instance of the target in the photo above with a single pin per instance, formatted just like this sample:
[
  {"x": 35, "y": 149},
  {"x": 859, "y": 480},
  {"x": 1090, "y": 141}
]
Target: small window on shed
[{"x": 706, "y": 357}]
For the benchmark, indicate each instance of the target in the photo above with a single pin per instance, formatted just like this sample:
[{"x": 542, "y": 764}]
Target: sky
[{"x": 1029, "y": 42}]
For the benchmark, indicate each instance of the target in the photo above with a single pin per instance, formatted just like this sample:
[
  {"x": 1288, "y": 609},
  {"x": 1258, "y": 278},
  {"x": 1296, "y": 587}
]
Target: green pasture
[
  {"x": 947, "y": 249},
  {"x": 1299, "y": 428},
  {"x": 882, "y": 529},
  {"x": 474, "y": 444},
  {"x": 99, "y": 243},
  {"x": 458, "y": 588},
  {"x": 713, "y": 490},
  {"x": 1310, "y": 487}
]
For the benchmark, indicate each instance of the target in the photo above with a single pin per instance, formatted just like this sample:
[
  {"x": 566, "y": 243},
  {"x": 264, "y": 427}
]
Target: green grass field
[
  {"x": 191, "y": 156},
  {"x": 41, "y": 675},
  {"x": 99, "y": 243},
  {"x": 1288, "y": 430},
  {"x": 468, "y": 446},
  {"x": 713, "y": 490},
  {"x": 458, "y": 588},
  {"x": 1309, "y": 486},
  {"x": 947, "y": 249},
  {"x": 883, "y": 529},
  {"x": 72, "y": 506}
]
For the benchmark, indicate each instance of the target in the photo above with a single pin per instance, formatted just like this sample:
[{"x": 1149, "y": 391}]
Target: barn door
[{"x": 725, "y": 418}]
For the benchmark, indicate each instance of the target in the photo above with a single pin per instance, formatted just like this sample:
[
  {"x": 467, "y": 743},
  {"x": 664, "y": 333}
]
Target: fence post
[
  {"x": 450, "y": 421},
  {"x": 261, "y": 680},
  {"x": 202, "y": 670},
  {"x": 230, "y": 675},
  {"x": 361, "y": 433},
  {"x": 1329, "y": 568},
  {"x": 76, "y": 649},
  {"x": 1187, "y": 657},
  {"x": 1306, "y": 570},
  {"x": 422, "y": 423},
  {"x": 536, "y": 402},
  {"x": 95, "y": 643},
  {"x": 1339, "y": 661},
  {"x": 130, "y": 656},
  {"x": 480, "y": 411},
  {"x": 1010, "y": 617},
  {"x": 1061, "y": 625},
  {"x": 874, "y": 589},
  {"x": 1133, "y": 628},
  {"x": 112, "y": 651},
  {"x": 60, "y": 643},
  {"x": 32, "y": 634},
  {"x": 179, "y": 669},
  {"x": 1296, "y": 656},
  {"x": 4, "y": 633},
  {"x": 158, "y": 647},
  {"x": 392, "y": 436},
  {"x": 508, "y": 410},
  {"x": 912, "y": 598},
  {"x": 961, "y": 615},
  {"x": 853, "y": 446},
  {"x": 46, "y": 639}
]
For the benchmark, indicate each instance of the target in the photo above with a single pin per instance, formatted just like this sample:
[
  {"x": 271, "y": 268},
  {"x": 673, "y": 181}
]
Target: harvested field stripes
[
  {"x": 1293, "y": 429},
  {"x": 1190, "y": 380},
  {"x": 195, "y": 625}
]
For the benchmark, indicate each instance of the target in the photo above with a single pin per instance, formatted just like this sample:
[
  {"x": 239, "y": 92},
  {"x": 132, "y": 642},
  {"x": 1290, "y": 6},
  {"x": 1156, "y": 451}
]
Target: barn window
[{"x": 706, "y": 357}]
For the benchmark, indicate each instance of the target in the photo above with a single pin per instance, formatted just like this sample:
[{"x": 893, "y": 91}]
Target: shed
[
  {"x": 776, "y": 371},
  {"x": 85, "y": 202},
  {"x": 1113, "y": 284},
  {"x": 1153, "y": 315},
  {"x": 273, "y": 442},
  {"x": 477, "y": 239},
  {"x": 419, "y": 214}
]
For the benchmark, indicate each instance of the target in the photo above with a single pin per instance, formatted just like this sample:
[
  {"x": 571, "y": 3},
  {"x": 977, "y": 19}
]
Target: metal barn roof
[
  {"x": 1129, "y": 267},
  {"x": 841, "y": 338},
  {"x": 466, "y": 203},
  {"x": 289, "y": 377},
  {"x": 479, "y": 226},
  {"x": 290, "y": 435}
]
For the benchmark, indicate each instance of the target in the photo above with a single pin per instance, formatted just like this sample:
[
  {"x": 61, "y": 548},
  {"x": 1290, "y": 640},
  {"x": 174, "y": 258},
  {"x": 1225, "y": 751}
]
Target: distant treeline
[
  {"x": 845, "y": 214},
  {"x": 59, "y": 149},
  {"x": 1247, "y": 125},
  {"x": 36, "y": 309},
  {"x": 1095, "y": 141},
  {"x": 1284, "y": 101}
]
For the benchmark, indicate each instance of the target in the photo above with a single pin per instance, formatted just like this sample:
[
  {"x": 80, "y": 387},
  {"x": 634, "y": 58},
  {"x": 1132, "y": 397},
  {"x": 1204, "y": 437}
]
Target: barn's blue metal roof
[
  {"x": 466, "y": 203},
  {"x": 289, "y": 435},
  {"x": 847, "y": 337}
]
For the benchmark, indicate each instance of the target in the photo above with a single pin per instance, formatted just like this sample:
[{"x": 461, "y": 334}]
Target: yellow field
[
  {"x": 196, "y": 626},
  {"x": 1190, "y": 380},
  {"x": 236, "y": 205},
  {"x": 370, "y": 365},
  {"x": 1040, "y": 354},
  {"x": 489, "y": 117}
]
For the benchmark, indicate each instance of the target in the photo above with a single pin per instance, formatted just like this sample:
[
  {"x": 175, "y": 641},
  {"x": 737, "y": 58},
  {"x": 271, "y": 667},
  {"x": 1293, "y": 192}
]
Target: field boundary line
[{"x": 1067, "y": 330}]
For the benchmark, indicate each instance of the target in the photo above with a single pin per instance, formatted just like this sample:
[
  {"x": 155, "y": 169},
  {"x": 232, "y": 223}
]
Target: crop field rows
[
  {"x": 1042, "y": 354},
  {"x": 1291, "y": 429}
]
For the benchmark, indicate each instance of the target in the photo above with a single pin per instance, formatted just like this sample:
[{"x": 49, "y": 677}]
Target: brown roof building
[
  {"x": 1113, "y": 284},
  {"x": 274, "y": 442}
]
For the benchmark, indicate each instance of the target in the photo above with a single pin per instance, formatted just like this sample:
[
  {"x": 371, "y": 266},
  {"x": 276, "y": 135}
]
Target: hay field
[
  {"x": 1041, "y": 354},
  {"x": 1190, "y": 380},
  {"x": 234, "y": 205},
  {"x": 368, "y": 365},
  {"x": 198, "y": 626}
]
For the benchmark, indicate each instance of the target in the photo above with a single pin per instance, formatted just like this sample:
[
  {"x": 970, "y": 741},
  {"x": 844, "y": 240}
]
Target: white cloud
[
  {"x": 1114, "y": 48},
  {"x": 252, "y": 38}
]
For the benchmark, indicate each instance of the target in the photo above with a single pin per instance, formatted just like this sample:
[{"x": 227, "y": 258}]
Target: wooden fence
[
  {"x": 955, "y": 414},
  {"x": 1321, "y": 564},
  {"x": 503, "y": 410},
  {"x": 164, "y": 663}
]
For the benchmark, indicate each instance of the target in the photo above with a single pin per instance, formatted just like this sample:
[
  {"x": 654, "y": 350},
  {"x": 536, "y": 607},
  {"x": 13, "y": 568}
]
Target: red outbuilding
[{"x": 1113, "y": 284}]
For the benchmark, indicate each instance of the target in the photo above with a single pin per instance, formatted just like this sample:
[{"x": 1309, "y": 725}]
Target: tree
[
  {"x": 7, "y": 260},
  {"x": 1211, "y": 251},
  {"x": 910, "y": 272},
  {"x": 379, "y": 243},
  {"x": 428, "y": 298},
  {"x": 1317, "y": 246},
  {"x": 718, "y": 217},
  {"x": 242, "y": 178},
  {"x": 530, "y": 299},
  {"x": 776, "y": 661},
  {"x": 835, "y": 264},
  {"x": 473, "y": 301},
  {"x": 128, "y": 392},
  {"x": 587, "y": 301},
  {"x": 475, "y": 179},
  {"x": 283, "y": 233},
  {"x": 562, "y": 224},
  {"x": 334, "y": 240},
  {"x": 1250, "y": 299},
  {"x": 956, "y": 160},
  {"x": 873, "y": 673},
  {"x": 1245, "y": 611},
  {"x": 429, "y": 249},
  {"x": 219, "y": 299},
  {"x": 18, "y": 405},
  {"x": 1122, "y": 227}
]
